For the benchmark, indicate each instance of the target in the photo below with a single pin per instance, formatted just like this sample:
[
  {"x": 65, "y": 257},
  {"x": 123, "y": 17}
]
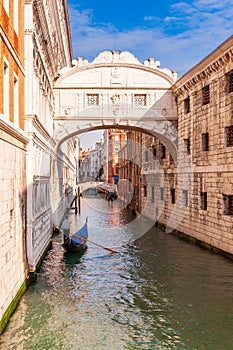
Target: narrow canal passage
[{"x": 159, "y": 292}]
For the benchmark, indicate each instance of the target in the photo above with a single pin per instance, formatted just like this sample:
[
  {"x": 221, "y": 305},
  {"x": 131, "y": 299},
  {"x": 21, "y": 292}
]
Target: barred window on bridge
[
  {"x": 140, "y": 100},
  {"x": 92, "y": 100}
]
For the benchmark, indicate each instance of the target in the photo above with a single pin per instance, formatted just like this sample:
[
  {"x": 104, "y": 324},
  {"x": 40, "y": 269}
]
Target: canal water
[{"x": 156, "y": 292}]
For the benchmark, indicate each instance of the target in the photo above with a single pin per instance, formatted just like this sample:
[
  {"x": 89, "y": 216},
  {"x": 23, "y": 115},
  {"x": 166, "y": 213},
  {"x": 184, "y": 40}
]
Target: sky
[{"x": 179, "y": 34}]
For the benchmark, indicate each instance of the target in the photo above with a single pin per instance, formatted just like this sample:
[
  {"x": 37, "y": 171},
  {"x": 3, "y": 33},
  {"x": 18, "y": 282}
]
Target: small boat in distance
[{"x": 77, "y": 242}]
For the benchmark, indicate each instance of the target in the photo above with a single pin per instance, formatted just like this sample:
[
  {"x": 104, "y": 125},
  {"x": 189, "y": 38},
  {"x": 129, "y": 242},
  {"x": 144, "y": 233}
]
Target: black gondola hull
[{"x": 73, "y": 248}]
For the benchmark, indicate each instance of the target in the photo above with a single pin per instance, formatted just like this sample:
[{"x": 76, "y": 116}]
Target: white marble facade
[{"x": 47, "y": 49}]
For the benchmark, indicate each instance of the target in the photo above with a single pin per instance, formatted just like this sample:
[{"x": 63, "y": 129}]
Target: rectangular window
[
  {"x": 163, "y": 151},
  {"x": 229, "y": 136},
  {"x": 152, "y": 194},
  {"x": 187, "y": 105},
  {"x": 205, "y": 141},
  {"x": 204, "y": 200},
  {"x": 154, "y": 152},
  {"x": 205, "y": 95},
  {"x": 161, "y": 193},
  {"x": 146, "y": 156},
  {"x": 145, "y": 190},
  {"x": 140, "y": 100},
  {"x": 185, "y": 197},
  {"x": 173, "y": 195},
  {"x": 187, "y": 144},
  {"x": 227, "y": 204},
  {"x": 92, "y": 100},
  {"x": 230, "y": 82}
]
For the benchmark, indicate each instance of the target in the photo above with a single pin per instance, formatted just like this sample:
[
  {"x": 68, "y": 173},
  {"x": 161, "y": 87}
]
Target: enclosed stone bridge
[{"x": 115, "y": 91}]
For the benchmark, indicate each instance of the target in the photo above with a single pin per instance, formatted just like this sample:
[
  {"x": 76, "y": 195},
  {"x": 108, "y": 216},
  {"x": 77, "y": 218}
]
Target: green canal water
[{"x": 157, "y": 292}]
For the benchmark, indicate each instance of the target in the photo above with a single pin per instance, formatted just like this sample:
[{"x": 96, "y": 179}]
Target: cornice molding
[
  {"x": 40, "y": 128},
  {"x": 10, "y": 129}
]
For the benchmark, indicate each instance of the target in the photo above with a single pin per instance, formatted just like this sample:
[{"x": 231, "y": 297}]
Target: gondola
[{"x": 77, "y": 242}]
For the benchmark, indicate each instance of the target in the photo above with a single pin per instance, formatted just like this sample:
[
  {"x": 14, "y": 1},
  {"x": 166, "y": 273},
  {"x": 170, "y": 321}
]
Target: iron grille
[
  {"x": 206, "y": 95},
  {"x": 92, "y": 100},
  {"x": 187, "y": 105},
  {"x": 205, "y": 141},
  {"x": 140, "y": 100},
  {"x": 229, "y": 135},
  {"x": 228, "y": 204},
  {"x": 204, "y": 200},
  {"x": 231, "y": 82}
]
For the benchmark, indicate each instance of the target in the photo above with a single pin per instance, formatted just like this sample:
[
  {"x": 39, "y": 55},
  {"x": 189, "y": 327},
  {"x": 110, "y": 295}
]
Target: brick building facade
[
  {"x": 193, "y": 194},
  {"x": 13, "y": 142}
]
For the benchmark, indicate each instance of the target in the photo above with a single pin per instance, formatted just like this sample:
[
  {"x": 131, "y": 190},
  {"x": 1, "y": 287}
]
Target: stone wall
[
  {"x": 192, "y": 193},
  {"x": 207, "y": 124},
  {"x": 13, "y": 262}
]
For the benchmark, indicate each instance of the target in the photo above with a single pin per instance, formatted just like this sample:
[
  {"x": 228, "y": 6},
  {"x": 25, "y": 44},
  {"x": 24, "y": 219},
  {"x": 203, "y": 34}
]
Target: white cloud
[
  {"x": 188, "y": 33},
  {"x": 150, "y": 18}
]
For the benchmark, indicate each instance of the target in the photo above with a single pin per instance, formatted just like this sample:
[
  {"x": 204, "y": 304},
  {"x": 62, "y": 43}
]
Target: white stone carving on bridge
[{"x": 114, "y": 90}]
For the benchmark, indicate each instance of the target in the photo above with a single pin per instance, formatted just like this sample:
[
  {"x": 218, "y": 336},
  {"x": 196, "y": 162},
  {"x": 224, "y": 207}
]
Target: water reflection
[{"x": 159, "y": 292}]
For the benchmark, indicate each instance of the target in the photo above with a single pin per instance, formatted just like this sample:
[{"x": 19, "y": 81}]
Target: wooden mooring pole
[
  {"x": 75, "y": 204},
  {"x": 79, "y": 201}
]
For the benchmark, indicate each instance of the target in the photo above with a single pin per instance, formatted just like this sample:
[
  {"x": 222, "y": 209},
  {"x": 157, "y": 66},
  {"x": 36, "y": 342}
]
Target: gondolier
[
  {"x": 75, "y": 242},
  {"x": 66, "y": 228}
]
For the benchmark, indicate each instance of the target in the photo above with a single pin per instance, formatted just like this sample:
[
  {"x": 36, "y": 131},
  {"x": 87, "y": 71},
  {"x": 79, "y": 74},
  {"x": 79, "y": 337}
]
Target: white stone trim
[{"x": 11, "y": 129}]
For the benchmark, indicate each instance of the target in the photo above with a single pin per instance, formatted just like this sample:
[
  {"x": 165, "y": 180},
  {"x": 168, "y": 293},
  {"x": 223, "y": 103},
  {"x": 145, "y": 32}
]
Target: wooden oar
[{"x": 98, "y": 245}]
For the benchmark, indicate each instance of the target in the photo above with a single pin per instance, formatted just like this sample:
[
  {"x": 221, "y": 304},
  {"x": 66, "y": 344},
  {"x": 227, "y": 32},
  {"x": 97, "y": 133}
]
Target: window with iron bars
[
  {"x": 163, "y": 151},
  {"x": 154, "y": 152},
  {"x": 203, "y": 196},
  {"x": 229, "y": 136},
  {"x": 227, "y": 204},
  {"x": 185, "y": 198},
  {"x": 187, "y": 105},
  {"x": 161, "y": 193},
  {"x": 173, "y": 195},
  {"x": 205, "y": 141},
  {"x": 140, "y": 100},
  {"x": 206, "y": 95},
  {"x": 230, "y": 81},
  {"x": 187, "y": 144},
  {"x": 92, "y": 100}
]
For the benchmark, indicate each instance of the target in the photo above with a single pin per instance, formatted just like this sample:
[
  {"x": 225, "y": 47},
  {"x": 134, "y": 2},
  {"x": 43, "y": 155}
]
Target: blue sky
[{"x": 177, "y": 33}]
